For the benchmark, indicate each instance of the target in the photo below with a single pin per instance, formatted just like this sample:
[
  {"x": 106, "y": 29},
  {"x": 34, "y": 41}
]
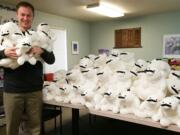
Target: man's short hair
[{"x": 25, "y": 4}]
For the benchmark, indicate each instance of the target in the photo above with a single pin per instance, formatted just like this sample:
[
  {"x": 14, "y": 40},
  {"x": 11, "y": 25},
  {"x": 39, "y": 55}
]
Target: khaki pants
[{"x": 15, "y": 104}]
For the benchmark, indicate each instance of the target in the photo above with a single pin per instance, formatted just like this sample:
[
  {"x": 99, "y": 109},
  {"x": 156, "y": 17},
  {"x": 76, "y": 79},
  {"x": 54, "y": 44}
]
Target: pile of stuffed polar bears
[
  {"x": 12, "y": 36},
  {"x": 119, "y": 83}
]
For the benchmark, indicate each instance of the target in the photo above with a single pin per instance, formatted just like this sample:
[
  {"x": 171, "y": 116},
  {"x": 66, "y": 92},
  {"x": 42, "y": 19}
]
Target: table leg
[{"x": 75, "y": 121}]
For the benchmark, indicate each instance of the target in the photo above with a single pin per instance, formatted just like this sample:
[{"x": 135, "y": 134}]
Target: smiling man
[{"x": 23, "y": 85}]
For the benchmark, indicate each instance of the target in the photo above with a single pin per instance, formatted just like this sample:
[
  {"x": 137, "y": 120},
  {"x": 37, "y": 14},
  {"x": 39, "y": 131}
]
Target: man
[{"x": 23, "y": 85}]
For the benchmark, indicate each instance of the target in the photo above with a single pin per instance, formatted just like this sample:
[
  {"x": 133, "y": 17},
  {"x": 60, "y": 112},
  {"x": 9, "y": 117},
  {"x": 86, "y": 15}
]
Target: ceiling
[{"x": 74, "y": 8}]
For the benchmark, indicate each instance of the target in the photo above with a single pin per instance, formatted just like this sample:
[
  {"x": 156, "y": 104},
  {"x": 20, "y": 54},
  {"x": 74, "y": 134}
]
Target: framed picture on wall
[
  {"x": 75, "y": 47},
  {"x": 171, "y": 46}
]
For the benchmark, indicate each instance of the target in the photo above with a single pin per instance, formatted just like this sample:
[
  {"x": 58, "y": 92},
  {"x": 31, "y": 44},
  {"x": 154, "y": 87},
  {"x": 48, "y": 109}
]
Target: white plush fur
[
  {"x": 59, "y": 75},
  {"x": 90, "y": 79},
  {"x": 174, "y": 74},
  {"x": 49, "y": 91},
  {"x": 65, "y": 93},
  {"x": 173, "y": 86},
  {"x": 139, "y": 65},
  {"x": 114, "y": 63},
  {"x": 11, "y": 36},
  {"x": 46, "y": 36},
  {"x": 151, "y": 82},
  {"x": 169, "y": 112},
  {"x": 75, "y": 77},
  {"x": 100, "y": 60},
  {"x": 126, "y": 103},
  {"x": 127, "y": 59},
  {"x": 162, "y": 66},
  {"x": 104, "y": 75},
  {"x": 148, "y": 107},
  {"x": 106, "y": 103},
  {"x": 173, "y": 82},
  {"x": 88, "y": 98},
  {"x": 9, "y": 33},
  {"x": 79, "y": 95},
  {"x": 85, "y": 62},
  {"x": 22, "y": 47},
  {"x": 121, "y": 80}
]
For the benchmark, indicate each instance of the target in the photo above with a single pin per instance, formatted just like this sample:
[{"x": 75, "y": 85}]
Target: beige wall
[{"x": 153, "y": 28}]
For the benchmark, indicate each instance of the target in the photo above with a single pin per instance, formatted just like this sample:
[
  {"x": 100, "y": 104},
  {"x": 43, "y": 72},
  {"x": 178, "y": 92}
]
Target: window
[{"x": 128, "y": 38}]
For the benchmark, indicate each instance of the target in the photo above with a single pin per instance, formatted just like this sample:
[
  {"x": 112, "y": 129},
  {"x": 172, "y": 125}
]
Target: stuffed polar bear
[
  {"x": 86, "y": 97},
  {"x": 173, "y": 82},
  {"x": 92, "y": 56},
  {"x": 126, "y": 103},
  {"x": 161, "y": 66},
  {"x": 121, "y": 80},
  {"x": 114, "y": 63},
  {"x": 106, "y": 102},
  {"x": 168, "y": 112},
  {"x": 89, "y": 99},
  {"x": 65, "y": 93},
  {"x": 150, "y": 82},
  {"x": 90, "y": 79},
  {"x": 49, "y": 91},
  {"x": 11, "y": 36},
  {"x": 75, "y": 77},
  {"x": 104, "y": 75},
  {"x": 127, "y": 59},
  {"x": 148, "y": 108},
  {"x": 79, "y": 95},
  {"x": 100, "y": 60},
  {"x": 85, "y": 62},
  {"x": 114, "y": 53},
  {"x": 94, "y": 101},
  {"x": 46, "y": 36},
  {"x": 139, "y": 65},
  {"x": 60, "y": 77},
  {"x": 173, "y": 86},
  {"x": 9, "y": 33},
  {"x": 59, "y": 74},
  {"x": 174, "y": 74},
  {"x": 22, "y": 48}
]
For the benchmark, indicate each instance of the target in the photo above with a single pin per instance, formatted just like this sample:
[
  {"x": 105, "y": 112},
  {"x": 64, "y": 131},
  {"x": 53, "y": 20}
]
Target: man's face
[{"x": 25, "y": 18}]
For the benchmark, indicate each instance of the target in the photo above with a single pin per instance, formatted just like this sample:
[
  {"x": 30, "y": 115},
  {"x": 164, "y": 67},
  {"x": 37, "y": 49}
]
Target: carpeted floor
[{"x": 98, "y": 126}]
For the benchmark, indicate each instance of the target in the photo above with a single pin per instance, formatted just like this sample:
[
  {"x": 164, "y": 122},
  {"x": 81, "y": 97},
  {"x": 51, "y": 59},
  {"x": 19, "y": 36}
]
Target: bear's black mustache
[
  {"x": 176, "y": 91},
  {"x": 166, "y": 105},
  {"x": 151, "y": 100}
]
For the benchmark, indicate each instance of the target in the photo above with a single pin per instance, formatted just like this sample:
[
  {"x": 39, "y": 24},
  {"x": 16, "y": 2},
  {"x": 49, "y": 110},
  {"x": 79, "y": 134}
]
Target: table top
[
  {"x": 134, "y": 119},
  {"x": 75, "y": 106},
  {"x": 125, "y": 117}
]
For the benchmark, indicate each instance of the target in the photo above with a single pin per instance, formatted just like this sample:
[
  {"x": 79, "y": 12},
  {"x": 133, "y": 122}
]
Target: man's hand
[
  {"x": 11, "y": 52},
  {"x": 37, "y": 51}
]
